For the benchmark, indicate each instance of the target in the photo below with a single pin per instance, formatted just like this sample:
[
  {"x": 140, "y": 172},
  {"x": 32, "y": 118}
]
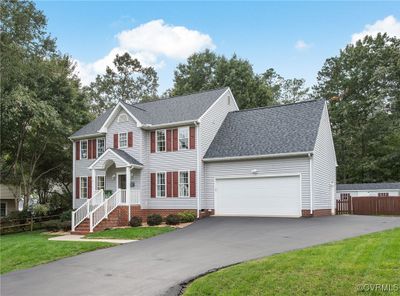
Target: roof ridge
[
  {"x": 173, "y": 97},
  {"x": 275, "y": 106}
]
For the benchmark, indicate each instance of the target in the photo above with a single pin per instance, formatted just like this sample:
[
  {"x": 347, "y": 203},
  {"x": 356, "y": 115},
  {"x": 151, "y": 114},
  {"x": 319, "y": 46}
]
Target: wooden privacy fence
[{"x": 369, "y": 205}]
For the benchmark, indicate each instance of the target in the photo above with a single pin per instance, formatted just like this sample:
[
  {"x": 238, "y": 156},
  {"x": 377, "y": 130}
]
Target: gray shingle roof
[
  {"x": 126, "y": 156},
  {"x": 164, "y": 111},
  {"x": 368, "y": 186},
  {"x": 269, "y": 130},
  {"x": 92, "y": 127}
]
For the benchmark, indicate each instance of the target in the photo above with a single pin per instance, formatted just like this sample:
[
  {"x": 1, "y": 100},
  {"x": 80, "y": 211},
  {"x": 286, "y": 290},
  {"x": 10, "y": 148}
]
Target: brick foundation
[
  {"x": 316, "y": 213},
  {"x": 206, "y": 213}
]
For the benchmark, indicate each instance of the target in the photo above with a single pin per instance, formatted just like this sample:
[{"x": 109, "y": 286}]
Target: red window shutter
[
  {"x": 175, "y": 184},
  {"x": 116, "y": 141},
  {"x": 175, "y": 139},
  {"x": 94, "y": 148},
  {"x": 192, "y": 137},
  {"x": 169, "y": 184},
  {"x": 153, "y": 142},
  {"x": 169, "y": 142},
  {"x": 90, "y": 149},
  {"x": 192, "y": 183},
  {"x": 153, "y": 185},
  {"x": 130, "y": 139},
  {"x": 77, "y": 150},
  {"x": 77, "y": 187},
  {"x": 89, "y": 186}
]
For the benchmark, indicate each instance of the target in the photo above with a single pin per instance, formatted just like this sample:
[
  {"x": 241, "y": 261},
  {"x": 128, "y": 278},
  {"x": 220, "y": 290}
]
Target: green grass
[
  {"x": 27, "y": 249},
  {"x": 330, "y": 269},
  {"x": 131, "y": 233}
]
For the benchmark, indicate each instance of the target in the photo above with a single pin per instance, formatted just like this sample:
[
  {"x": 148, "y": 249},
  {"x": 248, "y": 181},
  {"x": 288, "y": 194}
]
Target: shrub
[
  {"x": 65, "y": 216},
  {"x": 186, "y": 217},
  {"x": 40, "y": 210},
  {"x": 154, "y": 219},
  {"x": 172, "y": 219},
  {"x": 19, "y": 215},
  {"x": 135, "y": 221}
]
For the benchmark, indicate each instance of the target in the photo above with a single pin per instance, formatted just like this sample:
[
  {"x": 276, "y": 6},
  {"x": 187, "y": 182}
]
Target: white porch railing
[
  {"x": 98, "y": 208},
  {"x": 84, "y": 210}
]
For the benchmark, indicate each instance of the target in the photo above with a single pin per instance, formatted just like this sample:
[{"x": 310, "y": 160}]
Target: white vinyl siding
[
  {"x": 276, "y": 166},
  {"x": 324, "y": 166}
]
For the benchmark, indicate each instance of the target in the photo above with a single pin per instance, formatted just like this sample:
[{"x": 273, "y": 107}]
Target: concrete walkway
[
  {"x": 81, "y": 238},
  {"x": 157, "y": 266}
]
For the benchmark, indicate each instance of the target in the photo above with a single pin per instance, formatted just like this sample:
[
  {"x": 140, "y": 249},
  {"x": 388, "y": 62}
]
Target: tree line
[{"x": 43, "y": 101}]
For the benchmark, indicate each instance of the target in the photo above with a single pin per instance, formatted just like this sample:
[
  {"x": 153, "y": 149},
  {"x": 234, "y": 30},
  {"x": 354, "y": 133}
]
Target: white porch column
[
  {"x": 128, "y": 190},
  {"x": 93, "y": 181}
]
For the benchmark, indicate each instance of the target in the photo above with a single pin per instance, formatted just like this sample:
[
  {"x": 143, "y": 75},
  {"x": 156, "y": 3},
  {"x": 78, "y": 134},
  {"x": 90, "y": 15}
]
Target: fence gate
[{"x": 344, "y": 206}]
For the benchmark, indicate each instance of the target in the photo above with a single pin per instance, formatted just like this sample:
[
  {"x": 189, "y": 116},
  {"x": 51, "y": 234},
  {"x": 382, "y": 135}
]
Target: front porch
[{"x": 115, "y": 182}]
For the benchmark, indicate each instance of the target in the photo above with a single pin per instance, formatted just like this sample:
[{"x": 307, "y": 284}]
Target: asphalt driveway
[{"x": 154, "y": 266}]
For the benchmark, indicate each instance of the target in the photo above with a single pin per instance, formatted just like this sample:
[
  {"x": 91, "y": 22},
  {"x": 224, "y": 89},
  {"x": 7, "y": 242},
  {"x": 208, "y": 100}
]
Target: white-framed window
[
  {"x": 161, "y": 184},
  {"x": 161, "y": 140},
  {"x": 183, "y": 138},
  {"x": 84, "y": 187},
  {"x": 101, "y": 183},
  {"x": 123, "y": 140},
  {"x": 101, "y": 146},
  {"x": 3, "y": 209},
  {"x": 122, "y": 117},
  {"x": 183, "y": 184},
  {"x": 84, "y": 149}
]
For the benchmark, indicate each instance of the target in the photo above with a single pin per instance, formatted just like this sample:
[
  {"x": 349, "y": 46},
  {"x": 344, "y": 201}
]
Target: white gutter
[
  {"x": 292, "y": 154},
  {"x": 311, "y": 184},
  {"x": 198, "y": 151},
  {"x": 166, "y": 125},
  {"x": 86, "y": 136}
]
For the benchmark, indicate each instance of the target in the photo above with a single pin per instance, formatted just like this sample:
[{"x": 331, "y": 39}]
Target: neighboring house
[
  {"x": 343, "y": 191},
  {"x": 199, "y": 153},
  {"x": 7, "y": 200}
]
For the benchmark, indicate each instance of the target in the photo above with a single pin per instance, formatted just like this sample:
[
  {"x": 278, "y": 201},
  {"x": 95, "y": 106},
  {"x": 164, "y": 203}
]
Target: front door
[{"x": 121, "y": 182}]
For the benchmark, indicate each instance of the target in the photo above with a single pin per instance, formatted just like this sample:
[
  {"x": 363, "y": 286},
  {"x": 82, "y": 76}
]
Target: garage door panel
[{"x": 258, "y": 196}]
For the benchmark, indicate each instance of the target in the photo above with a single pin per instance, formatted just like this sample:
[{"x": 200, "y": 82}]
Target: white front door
[{"x": 258, "y": 196}]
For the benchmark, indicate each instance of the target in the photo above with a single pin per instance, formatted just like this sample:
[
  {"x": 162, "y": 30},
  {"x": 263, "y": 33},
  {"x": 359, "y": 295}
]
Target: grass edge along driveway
[
  {"x": 348, "y": 267},
  {"x": 28, "y": 249}
]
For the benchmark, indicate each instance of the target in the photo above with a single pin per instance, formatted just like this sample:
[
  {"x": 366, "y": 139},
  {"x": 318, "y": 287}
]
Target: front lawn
[
  {"x": 131, "y": 232},
  {"x": 339, "y": 268},
  {"x": 27, "y": 249}
]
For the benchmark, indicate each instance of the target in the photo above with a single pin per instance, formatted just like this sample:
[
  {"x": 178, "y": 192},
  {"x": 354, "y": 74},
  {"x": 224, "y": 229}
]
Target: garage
[{"x": 258, "y": 196}]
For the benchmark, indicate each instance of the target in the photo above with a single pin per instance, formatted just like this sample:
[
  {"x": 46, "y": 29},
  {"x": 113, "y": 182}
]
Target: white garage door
[{"x": 258, "y": 196}]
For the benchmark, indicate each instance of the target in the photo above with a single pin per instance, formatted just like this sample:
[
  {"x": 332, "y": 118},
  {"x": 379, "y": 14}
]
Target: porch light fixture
[
  {"x": 113, "y": 177},
  {"x": 254, "y": 172}
]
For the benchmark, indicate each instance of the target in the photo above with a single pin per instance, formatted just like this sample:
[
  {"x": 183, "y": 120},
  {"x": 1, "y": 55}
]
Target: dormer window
[{"x": 122, "y": 117}]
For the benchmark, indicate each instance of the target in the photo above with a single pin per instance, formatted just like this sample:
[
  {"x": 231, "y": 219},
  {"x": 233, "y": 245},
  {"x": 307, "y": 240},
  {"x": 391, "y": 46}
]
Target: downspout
[
  {"x": 73, "y": 174},
  {"x": 198, "y": 151},
  {"x": 311, "y": 184}
]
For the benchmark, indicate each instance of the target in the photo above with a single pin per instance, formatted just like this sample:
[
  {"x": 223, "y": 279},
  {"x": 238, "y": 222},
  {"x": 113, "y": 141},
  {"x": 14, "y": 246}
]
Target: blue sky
[{"x": 294, "y": 38}]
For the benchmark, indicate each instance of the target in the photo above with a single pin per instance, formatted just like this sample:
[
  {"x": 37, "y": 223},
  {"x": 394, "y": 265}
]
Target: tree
[
  {"x": 362, "y": 85},
  {"x": 286, "y": 90},
  {"x": 129, "y": 82},
  {"x": 41, "y": 101},
  {"x": 206, "y": 70}
]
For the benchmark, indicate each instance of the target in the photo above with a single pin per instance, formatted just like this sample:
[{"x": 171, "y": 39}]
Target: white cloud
[
  {"x": 151, "y": 44},
  {"x": 302, "y": 45},
  {"x": 388, "y": 25}
]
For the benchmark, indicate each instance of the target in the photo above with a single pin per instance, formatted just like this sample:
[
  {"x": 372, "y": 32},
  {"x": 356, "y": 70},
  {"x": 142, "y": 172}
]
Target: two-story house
[{"x": 199, "y": 153}]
